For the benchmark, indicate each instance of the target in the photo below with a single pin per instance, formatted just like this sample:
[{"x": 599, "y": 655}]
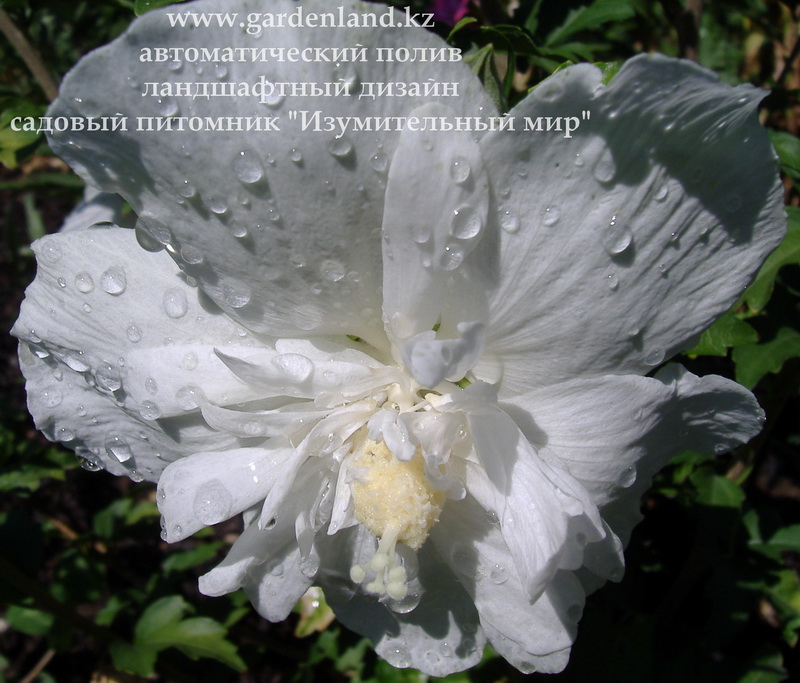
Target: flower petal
[
  {"x": 124, "y": 375},
  {"x": 524, "y": 632},
  {"x": 613, "y": 433},
  {"x": 654, "y": 226},
  {"x": 293, "y": 205},
  {"x": 441, "y": 635},
  {"x": 429, "y": 247}
]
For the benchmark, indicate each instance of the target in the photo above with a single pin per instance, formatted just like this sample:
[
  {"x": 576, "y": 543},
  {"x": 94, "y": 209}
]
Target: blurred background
[{"x": 89, "y": 592}]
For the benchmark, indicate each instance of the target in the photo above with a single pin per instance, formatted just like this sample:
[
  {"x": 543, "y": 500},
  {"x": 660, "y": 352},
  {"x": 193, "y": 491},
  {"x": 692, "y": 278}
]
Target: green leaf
[
  {"x": 13, "y": 142},
  {"x": 481, "y": 61},
  {"x": 728, "y": 331},
  {"x": 162, "y": 625},
  {"x": 142, "y": 6},
  {"x": 788, "y": 148},
  {"x": 716, "y": 490},
  {"x": 767, "y": 667},
  {"x": 190, "y": 558},
  {"x": 590, "y": 17},
  {"x": 466, "y": 21},
  {"x": 753, "y": 361},
  {"x": 34, "y": 622},
  {"x": 788, "y": 252},
  {"x": 134, "y": 659}
]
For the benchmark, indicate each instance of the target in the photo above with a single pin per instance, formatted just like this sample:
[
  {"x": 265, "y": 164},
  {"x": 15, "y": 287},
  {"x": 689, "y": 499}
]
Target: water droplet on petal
[
  {"x": 118, "y": 448},
  {"x": 175, "y": 303},
  {"x": 551, "y": 215},
  {"x": 84, "y": 282},
  {"x": 605, "y": 170},
  {"x": 616, "y": 237},
  {"x": 662, "y": 193},
  {"x": 628, "y": 477},
  {"x": 466, "y": 223},
  {"x": 87, "y": 464},
  {"x": 114, "y": 281},
  {"x": 187, "y": 190},
  {"x": 340, "y": 147},
  {"x": 460, "y": 170},
  {"x": 108, "y": 378},
  {"x": 379, "y": 162},
  {"x": 188, "y": 397},
  {"x": 52, "y": 252},
  {"x": 62, "y": 282},
  {"x": 218, "y": 205},
  {"x": 654, "y": 357},
  {"x": 332, "y": 270},
  {"x": 236, "y": 296},
  {"x": 295, "y": 155},
  {"x": 150, "y": 386},
  {"x": 295, "y": 366},
  {"x": 212, "y": 502},
  {"x": 498, "y": 575},
  {"x": 167, "y": 107},
  {"x": 509, "y": 221},
  {"x": 247, "y": 167},
  {"x": 51, "y": 397},
  {"x": 612, "y": 281},
  {"x": 191, "y": 255},
  {"x": 149, "y": 410},
  {"x": 451, "y": 258}
]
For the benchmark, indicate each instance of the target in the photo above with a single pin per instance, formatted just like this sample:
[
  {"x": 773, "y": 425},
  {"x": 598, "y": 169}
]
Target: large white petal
[
  {"x": 633, "y": 235},
  {"x": 280, "y": 228},
  {"x": 525, "y": 632},
  {"x": 428, "y": 245},
  {"x": 115, "y": 346},
  {"x": 613, "y": 433},
  {"x": 441, "y": 635}
]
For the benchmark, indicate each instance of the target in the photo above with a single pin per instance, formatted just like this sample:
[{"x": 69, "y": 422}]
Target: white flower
[{"x": 296, "y": 352}]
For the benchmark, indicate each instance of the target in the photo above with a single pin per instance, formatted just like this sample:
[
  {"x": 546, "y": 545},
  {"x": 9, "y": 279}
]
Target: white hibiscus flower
[{"x": 416, "y": 362}]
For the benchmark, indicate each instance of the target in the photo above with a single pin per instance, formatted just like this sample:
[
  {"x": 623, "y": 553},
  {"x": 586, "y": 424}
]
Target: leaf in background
[
  {"x": 716, "y": 490},
  {"x": 591, "y": 17},
  {"x": 14, "y": 141},
  {"x": 142, "y": 6},
  {"x": 753, "y": 361},
  {"x": 315, "y": 615},
  {"x": 481, "y": 61},
  {"x": 191, "y": 558},
  {"x": 767, "y": 667},
  {"x": 34, "y": 622},
  {"x": 788, "y": 148},
  {"x": 788, "y": 252},
  {"x": 728, "y": 331}
]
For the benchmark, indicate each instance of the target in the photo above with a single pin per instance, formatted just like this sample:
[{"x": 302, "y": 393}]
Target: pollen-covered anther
[{"x": 395, "y": 500}]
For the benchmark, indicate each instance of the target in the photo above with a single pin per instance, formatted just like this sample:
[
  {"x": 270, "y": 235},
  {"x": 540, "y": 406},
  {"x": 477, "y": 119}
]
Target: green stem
[{"x": 29, "y": 55}]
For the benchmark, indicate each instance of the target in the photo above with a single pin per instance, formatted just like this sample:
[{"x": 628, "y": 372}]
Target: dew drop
[
  {"x": 191, "y": 255},
  {"x": 87, "y": 308},
  {"x": 247, "y": 167},
  {"x": 498, "y": 575},
  {"x": 274, "y": 98},
  {"x": 332, "y": 271},
  {"x": 605, "y": 170},
  {"x": 51, "y": 397},
  {"x": 175, "y": 303},
  {"x": 340, "y": 147},
  {"x": 188, "y": 397},
  {"x": 236, "y": 296},
  {"x": 114, "y": 281},
  {"x": 612, "y": 281},
  {"x": 167, "y": 107},
  {"x": 628, "y": 477},
  {"x": 509, "y": 221},
  {"x": 466, "y": 223},
  {"x": 662, "y": 193},
  {"x": 149, "y": 410},
  {"x": 460, "y": 170},
  {"x": 218, "y": 205},
  {"x": 62, "y": 282},
  {"x": 295, "y": 155},
  {"x": 108, "y": 378},
  {"x": 118, "y": 448},
  {"x": 187, "y": 190},
  {"x": 451, "y": 258},
  {"x": 379, "y": 162},
  {"x": 88, "y": 464},
  {"x": 150, "y": 386},
  {"x": 84, "y": 282},
  {"x": 654, "y": 357},
  {"x": 399, "y": 658},
  {"x": 616, "y": 237},
  {"x": 212, "y": 502},
  {"x": 295, "y": 366},
  {"x": 52, "y": 252},
  {"x": 189, "y": 361},
  {"x": 551, "y": 215}
]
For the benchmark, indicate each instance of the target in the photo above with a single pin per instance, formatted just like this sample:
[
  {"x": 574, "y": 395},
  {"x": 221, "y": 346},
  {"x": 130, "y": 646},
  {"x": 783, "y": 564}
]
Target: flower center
[{"x": 395, "y": 500}]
